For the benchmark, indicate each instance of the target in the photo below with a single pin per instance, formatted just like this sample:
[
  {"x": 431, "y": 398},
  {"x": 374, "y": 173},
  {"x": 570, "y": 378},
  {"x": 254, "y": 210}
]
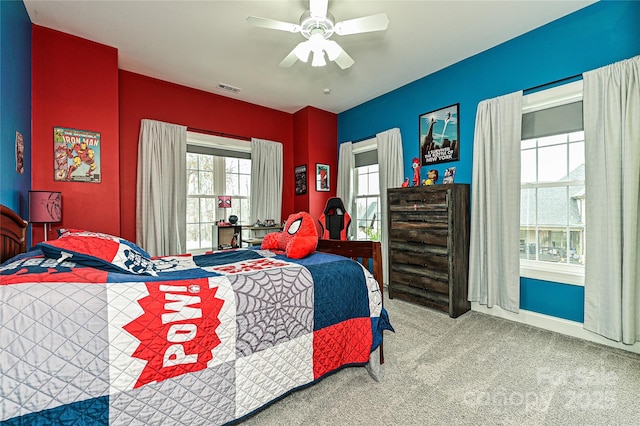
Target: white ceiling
[{"x": 202, "y": 43}]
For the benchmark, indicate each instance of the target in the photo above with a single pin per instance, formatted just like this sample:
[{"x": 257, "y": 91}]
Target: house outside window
[
  {"x": 215, "y": 166},
  {"x": 552, "y": 219}
]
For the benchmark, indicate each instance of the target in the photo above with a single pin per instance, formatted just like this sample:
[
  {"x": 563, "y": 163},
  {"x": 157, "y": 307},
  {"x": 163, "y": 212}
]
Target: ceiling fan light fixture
[
  {"x": 317, "y": 25},
  {"x": 318, "y": 59},
  {"x": 310, "y": 25},
  {"x": 302, "y": 51},
  {"x": 333, "y": 49},
  {"x": 317, "y": 42}
]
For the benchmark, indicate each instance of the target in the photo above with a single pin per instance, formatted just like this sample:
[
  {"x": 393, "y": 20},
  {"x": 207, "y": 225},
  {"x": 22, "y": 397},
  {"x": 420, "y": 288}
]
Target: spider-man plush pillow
[{"x": 298, "y": 239}]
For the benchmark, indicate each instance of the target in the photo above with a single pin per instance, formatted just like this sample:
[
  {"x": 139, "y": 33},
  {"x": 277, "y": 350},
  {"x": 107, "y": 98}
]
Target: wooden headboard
[{"x": 13, "y": 234}]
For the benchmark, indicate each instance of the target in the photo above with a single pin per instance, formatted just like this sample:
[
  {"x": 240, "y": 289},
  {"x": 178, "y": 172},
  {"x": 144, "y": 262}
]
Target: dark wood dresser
[{"x": 429, "y": 246}]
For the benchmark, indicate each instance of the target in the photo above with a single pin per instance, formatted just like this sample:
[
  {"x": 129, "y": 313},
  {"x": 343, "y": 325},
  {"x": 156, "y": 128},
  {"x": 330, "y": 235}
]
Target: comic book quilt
[{"x": 208, "y": 340}]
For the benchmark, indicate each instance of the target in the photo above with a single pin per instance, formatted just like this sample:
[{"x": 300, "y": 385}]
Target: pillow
[
  {"x": 298, "y": 239},
  {"x": 99, "y": 250}
]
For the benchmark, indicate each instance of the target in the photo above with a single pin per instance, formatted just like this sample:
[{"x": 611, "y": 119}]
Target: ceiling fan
[{"x": 317, "y": 25}]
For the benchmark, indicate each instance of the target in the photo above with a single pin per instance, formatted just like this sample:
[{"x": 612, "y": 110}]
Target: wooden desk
[
  {"x": 227, "y": 237},
  {"x": 256, "y": 233}
]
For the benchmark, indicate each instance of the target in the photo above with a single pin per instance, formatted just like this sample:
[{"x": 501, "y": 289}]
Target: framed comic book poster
[
  {"x": 76, "y": 155},
  {"x": 438, "y": 135},
  {"x": 301, "y": 179},
  {"x": 322, "y": 177}
]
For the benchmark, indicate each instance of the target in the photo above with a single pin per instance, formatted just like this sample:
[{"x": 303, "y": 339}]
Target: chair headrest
[{"x": 334, "y": 206}]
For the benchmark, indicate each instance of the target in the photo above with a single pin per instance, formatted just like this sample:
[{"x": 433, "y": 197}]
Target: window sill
[{"x": 566, "y": 274}]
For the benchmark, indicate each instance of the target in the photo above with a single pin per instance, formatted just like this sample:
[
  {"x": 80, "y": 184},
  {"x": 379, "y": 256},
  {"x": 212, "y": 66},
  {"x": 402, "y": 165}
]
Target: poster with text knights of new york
[{"x": 76, "y": 155}]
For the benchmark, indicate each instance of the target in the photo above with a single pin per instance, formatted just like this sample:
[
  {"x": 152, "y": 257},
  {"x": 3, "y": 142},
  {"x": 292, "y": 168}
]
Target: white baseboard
[{"x": 558, "y": 325}]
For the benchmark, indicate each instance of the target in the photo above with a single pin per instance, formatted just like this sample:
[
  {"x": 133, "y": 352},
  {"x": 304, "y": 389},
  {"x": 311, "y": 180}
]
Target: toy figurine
[
  {"x": 405, "y": 183},
  {"x": 432, "y": 177},
  {"x": 416, "y": 171}
]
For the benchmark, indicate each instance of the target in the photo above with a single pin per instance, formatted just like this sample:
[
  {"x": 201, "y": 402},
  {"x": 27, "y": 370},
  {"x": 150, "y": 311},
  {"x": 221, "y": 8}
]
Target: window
[
  {"x": 201, "y": 201},
  {"x": 238, "y": 185},
  {"x": 215, "y": 166},
  {"x": 368, "y": 203},
  {"x": 367, "y": 194},
  {"x": 552, "y": 220}
]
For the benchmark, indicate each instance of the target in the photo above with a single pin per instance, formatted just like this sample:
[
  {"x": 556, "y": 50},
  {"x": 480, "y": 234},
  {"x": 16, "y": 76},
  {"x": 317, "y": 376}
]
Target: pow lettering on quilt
[{"x": 177, "y": 330}]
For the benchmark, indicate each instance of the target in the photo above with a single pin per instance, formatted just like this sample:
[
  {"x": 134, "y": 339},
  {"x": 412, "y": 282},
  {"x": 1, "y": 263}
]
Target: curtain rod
[
  {"x": 562, "y": 80},
  {"x": 214, "y": 133},
  {"x": 363, "y": 139}
]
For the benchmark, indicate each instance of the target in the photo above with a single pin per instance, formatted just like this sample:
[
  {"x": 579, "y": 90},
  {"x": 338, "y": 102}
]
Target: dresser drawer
[
  {"x": 428, "y": 257},
  {"x": 418, "y": 197},
  {"x": 420, "y": 296},
  {"x": 419, "y": 237},
  {"x": 413, "y": 276}
]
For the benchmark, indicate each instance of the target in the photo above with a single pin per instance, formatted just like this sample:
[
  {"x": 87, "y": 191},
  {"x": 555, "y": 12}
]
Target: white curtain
[
  {"x": 266, "y": 180},
  {"x": 612, "y": 150},
  {"x": 391, "y": 168},
  {"x": 344, "y": 188},
  {"x": 494, "y": 258},
  {"x": 161, "y": 201}
]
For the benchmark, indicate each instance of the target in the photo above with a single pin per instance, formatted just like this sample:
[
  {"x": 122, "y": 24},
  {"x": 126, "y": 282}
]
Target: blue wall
[
  {"x": 15, "y": 103},
  {"x": 605, "y": 32}
]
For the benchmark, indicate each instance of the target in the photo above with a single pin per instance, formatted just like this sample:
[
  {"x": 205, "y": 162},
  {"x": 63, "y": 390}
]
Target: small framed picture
[
  {"x": 301, "y": 179},
  {"x": 449, "y": 175},
  {"x": 438, "y": 135},
  {"x": 322, "y": 177},
  {"x": 76, "y": 155}
]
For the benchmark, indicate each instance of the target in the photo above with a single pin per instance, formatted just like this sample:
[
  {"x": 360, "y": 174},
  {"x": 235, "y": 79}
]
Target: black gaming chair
[{"x": 334, "y": 221}]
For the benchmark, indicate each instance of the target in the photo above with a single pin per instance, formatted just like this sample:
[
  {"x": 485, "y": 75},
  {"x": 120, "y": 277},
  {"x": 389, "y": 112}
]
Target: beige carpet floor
[{"x": 473, "y": 370}]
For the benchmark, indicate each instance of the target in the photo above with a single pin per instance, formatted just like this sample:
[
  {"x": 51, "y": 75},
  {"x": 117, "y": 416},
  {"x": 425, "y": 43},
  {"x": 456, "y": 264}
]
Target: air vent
[{"x": 228, "y": 88}]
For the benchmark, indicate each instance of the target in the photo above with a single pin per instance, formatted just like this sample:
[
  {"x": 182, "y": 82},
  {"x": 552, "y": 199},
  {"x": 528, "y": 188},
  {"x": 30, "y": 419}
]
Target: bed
[
  {"x": 92, "y": 331},
  {"x": 13, "y": 233}
]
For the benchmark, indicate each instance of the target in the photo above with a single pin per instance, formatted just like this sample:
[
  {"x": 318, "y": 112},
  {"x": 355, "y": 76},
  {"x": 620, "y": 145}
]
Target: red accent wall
[
  {"x": 318, "y": 130},
  {"x": 301, "y": 156},
  {"x": 75, "y": 84},
  {"x": 145, "y": 97}
]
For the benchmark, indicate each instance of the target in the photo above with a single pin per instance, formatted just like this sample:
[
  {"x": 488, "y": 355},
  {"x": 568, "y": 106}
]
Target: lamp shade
[
  {"x": 45, "y": 206},
  {"x": 224, "y": 201}
]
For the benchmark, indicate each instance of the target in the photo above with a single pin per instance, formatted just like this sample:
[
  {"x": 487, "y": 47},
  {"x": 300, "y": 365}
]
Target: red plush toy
[
  {"x": 416, "y": 171},
  {"x": 298, "y": 239}
]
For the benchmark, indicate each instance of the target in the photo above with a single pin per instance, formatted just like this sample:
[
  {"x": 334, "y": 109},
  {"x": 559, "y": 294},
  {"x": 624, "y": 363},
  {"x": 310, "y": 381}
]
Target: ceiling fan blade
[
  {"x": 273, "y": 24},
  {"x": 289, "y": 60},
  {"x": 366, "y": 24},
  {"x": 344, "y": 61},
  {"x": 318, "y": 8},
  {"x": 337, "y": 54}
]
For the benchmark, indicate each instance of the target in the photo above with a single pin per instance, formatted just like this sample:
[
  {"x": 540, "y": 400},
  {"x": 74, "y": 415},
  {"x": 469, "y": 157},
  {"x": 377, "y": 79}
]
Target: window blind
[
  {"x": 210, "y": 150},
  {"x": 552, "y": 121},
  {"x": 366, "y": 158}
]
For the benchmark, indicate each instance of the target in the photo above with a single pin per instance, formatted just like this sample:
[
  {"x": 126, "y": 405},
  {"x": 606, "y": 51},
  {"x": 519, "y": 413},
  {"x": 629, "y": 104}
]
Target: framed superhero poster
[
  {"x": 76, "y": 155},
  {"x": 301, "y": 179},
  {"x": 438, "y": 135},
  {"x": 322, "y": 177}
]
